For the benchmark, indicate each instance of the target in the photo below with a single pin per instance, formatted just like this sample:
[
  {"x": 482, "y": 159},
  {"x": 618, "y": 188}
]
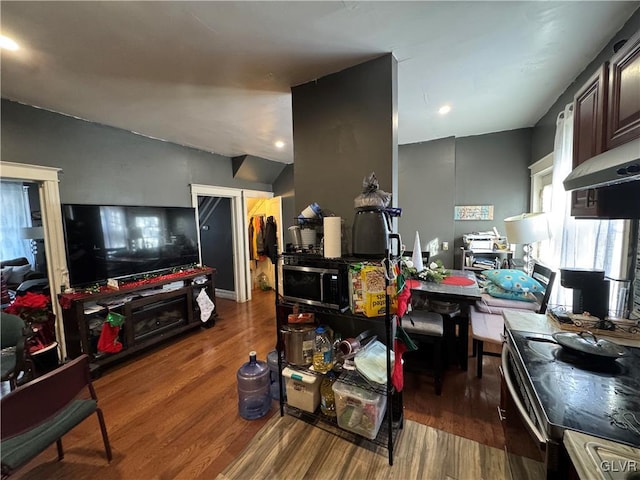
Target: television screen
[{"x": 109, "y": 241}]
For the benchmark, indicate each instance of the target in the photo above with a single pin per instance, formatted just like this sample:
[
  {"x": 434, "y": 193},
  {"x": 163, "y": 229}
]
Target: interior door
[{"x": 216, "y": 238}]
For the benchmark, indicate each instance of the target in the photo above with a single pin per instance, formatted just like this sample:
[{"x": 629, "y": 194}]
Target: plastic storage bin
[
  {"x": 359, "y": 410},
  {"x": 302, "y": 389}
]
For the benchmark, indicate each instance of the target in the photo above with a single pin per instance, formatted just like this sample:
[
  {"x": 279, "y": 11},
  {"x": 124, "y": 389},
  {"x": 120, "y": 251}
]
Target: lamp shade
[
  {"x": 527, "y": 228},
  {"x": 32, "y": 233}
]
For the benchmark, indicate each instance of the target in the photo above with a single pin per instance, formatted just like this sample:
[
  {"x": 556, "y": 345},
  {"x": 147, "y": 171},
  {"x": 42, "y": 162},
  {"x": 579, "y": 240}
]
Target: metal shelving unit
[{"x": 393, "y": 419}]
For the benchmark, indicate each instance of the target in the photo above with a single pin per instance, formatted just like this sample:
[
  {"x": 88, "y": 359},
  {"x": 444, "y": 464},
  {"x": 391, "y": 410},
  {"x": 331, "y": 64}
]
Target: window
[
  {"x": 15, "y": 215},
  {"x": 581, "y": 243}
]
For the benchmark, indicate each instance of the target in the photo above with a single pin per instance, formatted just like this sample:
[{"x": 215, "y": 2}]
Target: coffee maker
[{"x": 590, "y": 290}]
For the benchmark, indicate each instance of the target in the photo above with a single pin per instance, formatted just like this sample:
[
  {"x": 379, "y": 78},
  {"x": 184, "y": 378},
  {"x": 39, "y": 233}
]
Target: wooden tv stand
[{"x": 155, "y": 310}]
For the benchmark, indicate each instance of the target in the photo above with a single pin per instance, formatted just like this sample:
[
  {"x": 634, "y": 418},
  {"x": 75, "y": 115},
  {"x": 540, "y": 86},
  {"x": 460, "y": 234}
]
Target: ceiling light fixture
[
  {"x": 443, "y": 110},
  {"x": 279, "y": 144},
  {"x": 7, "y": 43}
]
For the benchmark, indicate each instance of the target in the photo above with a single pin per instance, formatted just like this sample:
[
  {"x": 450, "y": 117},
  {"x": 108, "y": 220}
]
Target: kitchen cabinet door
[
  {"x": 589, "y": 127},
  {"x": 623, "y": 122}
]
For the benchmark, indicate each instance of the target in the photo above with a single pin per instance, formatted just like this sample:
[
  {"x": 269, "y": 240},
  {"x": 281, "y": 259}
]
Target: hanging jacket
[
  {"x": 260, "y": 236},
  {"x": 271, "y": 240},
  {"x": 252, "y": 255}
]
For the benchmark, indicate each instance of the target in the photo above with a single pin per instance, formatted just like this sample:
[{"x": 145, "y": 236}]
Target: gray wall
[
  {"x": 478, "y": 170},
  {"x": 343, "y": 130},
  {"x": 544, "y": 131},
  {"x": 283, "y": 187},
  {"x": 107, "y": 165},
  {"x": 493, "y": 170},
  {"x": 426, "y": 193}
]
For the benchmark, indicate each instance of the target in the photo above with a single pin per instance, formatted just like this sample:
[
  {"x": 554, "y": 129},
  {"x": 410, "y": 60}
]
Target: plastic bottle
[
  {"x": 254, "y": 396},
  {"x": 322, "y": 351},
  {"x": 327, "y": 397}
]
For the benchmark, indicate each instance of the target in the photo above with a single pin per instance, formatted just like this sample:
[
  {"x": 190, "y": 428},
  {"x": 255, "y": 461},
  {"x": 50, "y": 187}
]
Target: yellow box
[{"x": 367, "y": 289}]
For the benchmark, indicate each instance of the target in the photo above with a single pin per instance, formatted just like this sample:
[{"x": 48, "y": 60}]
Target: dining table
[{"x": 459, "y": 287}]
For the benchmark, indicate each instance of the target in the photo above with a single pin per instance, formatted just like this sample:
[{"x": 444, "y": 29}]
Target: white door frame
[
  {"x": 241, "y": 271},
  {"x": 240, "y": 294},
  {"x": 50, "y": 206}
]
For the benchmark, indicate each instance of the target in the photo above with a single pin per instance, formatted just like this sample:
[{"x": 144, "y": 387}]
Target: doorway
[
  {"x": 216, "y": 239},
  {"x": 46, "y": 179},
  {"x": 259, "y": 211},
  {"x": 223, "y": 215}
]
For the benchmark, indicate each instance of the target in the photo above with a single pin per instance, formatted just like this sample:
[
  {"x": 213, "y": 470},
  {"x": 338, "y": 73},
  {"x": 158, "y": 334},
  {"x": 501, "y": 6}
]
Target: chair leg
[
  {"x": 474, "y": 347},
  {"x": 105, "y": 437},
  {"x": 480, "y": 347},
  {"x": 437, "y": 366},
  {"x": 60, "y": 451}
]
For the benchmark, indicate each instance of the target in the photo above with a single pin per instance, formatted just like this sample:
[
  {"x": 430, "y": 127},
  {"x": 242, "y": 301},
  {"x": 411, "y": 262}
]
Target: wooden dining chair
[
  {"x": 40, "y": 412},
  {"x": 488, "y": 327}
]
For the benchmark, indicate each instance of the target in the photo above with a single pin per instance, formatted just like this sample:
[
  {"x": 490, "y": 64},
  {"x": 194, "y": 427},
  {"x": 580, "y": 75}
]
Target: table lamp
[
  {"x": 525, "y": 229},
  {"x": 32, "y": 234}
]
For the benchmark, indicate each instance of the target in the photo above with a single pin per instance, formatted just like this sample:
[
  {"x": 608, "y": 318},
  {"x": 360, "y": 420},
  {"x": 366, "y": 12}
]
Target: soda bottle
[
  {"x": 322, "y": 351},
  {"x": 327, "y": 397}
]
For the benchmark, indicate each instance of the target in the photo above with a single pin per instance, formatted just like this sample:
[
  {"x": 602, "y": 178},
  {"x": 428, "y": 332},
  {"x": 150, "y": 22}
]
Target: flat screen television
[{"x": 114, "y": 241}]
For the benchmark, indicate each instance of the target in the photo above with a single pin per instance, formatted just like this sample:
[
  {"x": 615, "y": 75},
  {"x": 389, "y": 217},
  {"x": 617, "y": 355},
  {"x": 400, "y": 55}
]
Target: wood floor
[
  {"x": 172, "y": 412},
  {"x": 287, "y": 448}
]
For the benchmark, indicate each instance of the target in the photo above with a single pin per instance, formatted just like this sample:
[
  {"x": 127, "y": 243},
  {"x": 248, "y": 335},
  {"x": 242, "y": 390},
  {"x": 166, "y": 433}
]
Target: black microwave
[{"x": 319, "y": 282}]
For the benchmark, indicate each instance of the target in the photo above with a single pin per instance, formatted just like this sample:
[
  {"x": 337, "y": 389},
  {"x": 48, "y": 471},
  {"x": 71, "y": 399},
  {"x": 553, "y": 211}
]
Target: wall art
[{"x": 473, "y": 212}]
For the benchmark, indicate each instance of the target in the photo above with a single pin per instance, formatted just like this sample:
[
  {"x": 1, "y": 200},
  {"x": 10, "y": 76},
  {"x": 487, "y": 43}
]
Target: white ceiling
[{"x": 217, "y": 75}]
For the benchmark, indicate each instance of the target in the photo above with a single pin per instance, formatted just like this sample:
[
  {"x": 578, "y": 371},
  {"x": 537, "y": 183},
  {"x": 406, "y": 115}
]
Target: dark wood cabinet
[
  {"x": 153, "y": 311},
  {"x": 589, "y": 127},
  {"x": 623, "y": 123},
  {"x": 606, "y": 115}
]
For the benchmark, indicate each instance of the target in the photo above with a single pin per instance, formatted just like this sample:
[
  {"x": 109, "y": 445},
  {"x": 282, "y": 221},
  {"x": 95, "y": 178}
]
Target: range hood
[{"x": 620, "y": 165}]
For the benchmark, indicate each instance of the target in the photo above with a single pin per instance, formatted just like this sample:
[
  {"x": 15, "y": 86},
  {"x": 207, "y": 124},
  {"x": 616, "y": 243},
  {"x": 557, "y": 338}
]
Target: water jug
[
  {"x": 272, "y": 361},
  {"x": 254, "y": 395}
]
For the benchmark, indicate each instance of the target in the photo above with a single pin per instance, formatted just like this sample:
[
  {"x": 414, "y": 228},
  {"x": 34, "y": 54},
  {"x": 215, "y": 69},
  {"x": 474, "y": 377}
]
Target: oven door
[{"x": 526, "y": 446}]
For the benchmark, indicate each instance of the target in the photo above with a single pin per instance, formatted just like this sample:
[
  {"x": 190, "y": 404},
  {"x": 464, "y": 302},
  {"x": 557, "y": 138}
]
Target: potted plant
[{"x": 35, "y": 309}]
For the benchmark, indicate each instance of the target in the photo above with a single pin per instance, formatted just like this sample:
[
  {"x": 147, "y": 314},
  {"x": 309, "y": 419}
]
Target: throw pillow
[
  {"x": 499, "y": 292},
  {"x": 18, "y": 273},
  {"x": 513, "y": 280}
]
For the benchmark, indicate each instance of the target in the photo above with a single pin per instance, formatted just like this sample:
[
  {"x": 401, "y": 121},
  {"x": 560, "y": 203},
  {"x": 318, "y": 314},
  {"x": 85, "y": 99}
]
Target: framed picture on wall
[{"x": 473, "y": 212}]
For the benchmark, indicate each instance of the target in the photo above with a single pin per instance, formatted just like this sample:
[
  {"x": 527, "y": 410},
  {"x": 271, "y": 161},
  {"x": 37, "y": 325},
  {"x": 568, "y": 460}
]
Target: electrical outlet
[{"x": 445, "y": 246}]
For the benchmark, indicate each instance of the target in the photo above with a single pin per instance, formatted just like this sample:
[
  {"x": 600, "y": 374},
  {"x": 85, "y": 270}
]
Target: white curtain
[
  {"x": 595, "y": 244},
  {"x": 14, "y": 216}
]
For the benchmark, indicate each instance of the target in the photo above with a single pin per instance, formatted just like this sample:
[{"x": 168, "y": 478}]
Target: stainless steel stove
[
  {"x": 552, "y": 389},
  {"x": 588, "y": 394}
]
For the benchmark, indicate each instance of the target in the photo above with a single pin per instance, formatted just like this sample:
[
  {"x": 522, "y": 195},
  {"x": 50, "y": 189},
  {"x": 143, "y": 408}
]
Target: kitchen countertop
[
  {"x": 598, "y": 459},
  {"x": 593, "y": 457},
  {"x": 538, "y": 323}
]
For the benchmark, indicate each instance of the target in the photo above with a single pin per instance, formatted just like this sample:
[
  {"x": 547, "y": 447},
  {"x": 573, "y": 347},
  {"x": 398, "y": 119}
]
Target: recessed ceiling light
[
  {"x": 443, "y": 110},
  {"x": 279, "y": 144},
  {"x": 6, "y": 42}
]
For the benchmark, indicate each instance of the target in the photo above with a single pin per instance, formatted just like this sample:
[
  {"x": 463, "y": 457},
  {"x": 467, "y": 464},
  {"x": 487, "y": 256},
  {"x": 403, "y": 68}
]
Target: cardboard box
[{"x": 367, "y": 289}]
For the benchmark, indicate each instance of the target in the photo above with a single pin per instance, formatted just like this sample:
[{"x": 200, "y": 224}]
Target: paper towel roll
[{"x": 332, "y": 237}]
